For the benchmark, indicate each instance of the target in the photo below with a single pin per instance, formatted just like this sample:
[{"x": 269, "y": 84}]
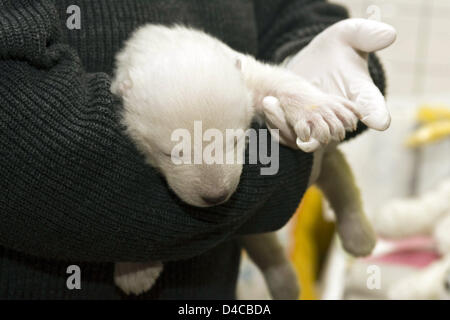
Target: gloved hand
[{"x": 336, "y": 61}]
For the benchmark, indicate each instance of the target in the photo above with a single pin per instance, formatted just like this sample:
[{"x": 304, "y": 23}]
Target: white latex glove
[{"x": 336, "y": 61}]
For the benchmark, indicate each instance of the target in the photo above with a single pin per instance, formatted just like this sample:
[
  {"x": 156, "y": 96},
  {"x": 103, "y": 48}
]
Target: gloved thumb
[
  {"x": 367, "y": 35},
  {"x": 370, "y": 104}
]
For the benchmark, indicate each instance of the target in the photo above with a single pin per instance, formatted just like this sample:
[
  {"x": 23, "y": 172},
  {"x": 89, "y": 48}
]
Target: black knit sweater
[{"x": 74, "y": 189}]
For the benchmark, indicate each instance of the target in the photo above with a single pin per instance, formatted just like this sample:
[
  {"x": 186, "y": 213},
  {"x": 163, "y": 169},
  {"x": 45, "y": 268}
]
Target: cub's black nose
[{"x": 215, "y": 199}]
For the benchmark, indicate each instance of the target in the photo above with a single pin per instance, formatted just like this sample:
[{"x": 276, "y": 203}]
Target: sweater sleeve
[
  {"x": 73, "y": 185},
  {"x": 287, "y": 26}
]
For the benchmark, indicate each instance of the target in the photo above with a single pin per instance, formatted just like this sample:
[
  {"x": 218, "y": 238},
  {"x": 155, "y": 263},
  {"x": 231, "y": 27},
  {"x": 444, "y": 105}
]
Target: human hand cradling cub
[{"x": 336, "y": 61}]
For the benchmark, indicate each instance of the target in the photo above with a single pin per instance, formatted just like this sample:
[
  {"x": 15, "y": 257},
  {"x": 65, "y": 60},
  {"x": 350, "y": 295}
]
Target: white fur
[{"x": 136, "y": 278}]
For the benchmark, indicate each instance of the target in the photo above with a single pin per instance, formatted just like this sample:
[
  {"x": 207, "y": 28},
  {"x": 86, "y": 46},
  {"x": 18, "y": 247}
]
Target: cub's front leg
[{"x": 313, "y": 116}]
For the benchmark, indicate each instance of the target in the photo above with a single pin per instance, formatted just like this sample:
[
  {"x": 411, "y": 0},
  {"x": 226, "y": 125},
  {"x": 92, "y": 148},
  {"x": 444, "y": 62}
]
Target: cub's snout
[{"x": 203, "y": 185}]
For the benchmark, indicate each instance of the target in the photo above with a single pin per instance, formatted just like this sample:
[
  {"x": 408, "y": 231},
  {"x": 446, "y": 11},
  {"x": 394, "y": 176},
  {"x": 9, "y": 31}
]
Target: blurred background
[
  {"x": 403, "y": 174},
  {"x": 418, "y": 63}
]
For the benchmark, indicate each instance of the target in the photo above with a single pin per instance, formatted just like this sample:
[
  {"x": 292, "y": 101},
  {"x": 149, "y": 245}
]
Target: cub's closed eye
[
  {"x": 176, "y": 154},
  {"x": 244, "y": 138}
]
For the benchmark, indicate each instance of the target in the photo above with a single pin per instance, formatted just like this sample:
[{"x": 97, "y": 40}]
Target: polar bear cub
[{"x": 170, "y": 77}]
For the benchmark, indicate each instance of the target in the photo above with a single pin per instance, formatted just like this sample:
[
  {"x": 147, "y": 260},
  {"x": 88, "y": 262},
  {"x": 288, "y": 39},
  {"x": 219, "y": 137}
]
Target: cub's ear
[
  {"x": 238, "y": 64},
  {"x": 125, "y": 87},
  {"x": 122, "y": 85}
]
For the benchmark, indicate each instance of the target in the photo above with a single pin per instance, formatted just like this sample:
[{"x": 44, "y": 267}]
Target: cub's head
[{"x": 189, "y": 118}]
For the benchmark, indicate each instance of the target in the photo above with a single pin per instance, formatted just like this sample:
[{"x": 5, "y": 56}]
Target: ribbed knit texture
[{"x": 74, "y": 189}]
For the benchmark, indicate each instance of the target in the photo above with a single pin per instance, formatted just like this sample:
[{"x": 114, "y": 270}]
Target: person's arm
[
  {"x": 73, "y": 185},
  {"x": 287, "y": 26}
]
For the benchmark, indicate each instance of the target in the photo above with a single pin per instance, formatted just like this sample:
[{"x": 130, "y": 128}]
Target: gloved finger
[
  {"x": 309, "y": 146},
  {"x": 370, "y": 104},
  {"x": 368, "y": 35}
]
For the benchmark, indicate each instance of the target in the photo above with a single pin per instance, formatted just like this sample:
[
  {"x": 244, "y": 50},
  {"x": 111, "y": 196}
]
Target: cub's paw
[
  {"x": 136, "y": 278},
  {"x": 357, "y": 236},
  {"x": 317, "y": 119}
]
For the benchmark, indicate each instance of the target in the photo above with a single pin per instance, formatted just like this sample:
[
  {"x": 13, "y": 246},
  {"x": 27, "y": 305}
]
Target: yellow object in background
[
  {"x": 429, "y": 133},
  {"x": 436, "y": 125},
  {"x": 311, "y": 237},
  {"x": 433, "y": 112}
]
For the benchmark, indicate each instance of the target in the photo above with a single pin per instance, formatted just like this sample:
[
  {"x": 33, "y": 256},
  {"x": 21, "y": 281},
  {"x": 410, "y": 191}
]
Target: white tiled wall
[{"x": 419, "y": 62}]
